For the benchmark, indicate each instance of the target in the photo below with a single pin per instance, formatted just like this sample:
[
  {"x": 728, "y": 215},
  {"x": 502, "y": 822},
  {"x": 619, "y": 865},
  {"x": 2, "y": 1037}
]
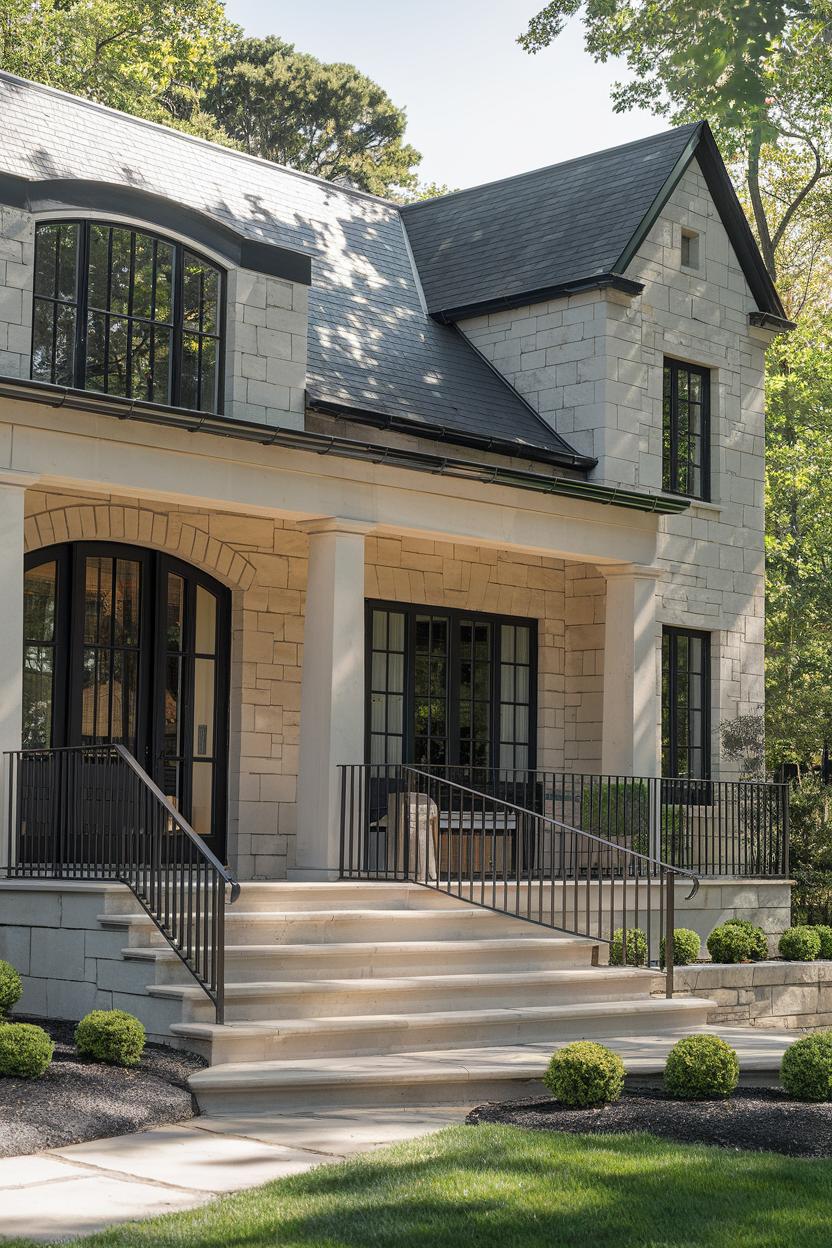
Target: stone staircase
[{"x": 385, "y": 994}]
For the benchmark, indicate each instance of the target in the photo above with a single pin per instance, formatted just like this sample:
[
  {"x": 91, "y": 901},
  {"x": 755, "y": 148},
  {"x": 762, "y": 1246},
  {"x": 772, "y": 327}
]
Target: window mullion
[
  {"x": 178, "y": 316},
  {"x": 82, "y": 304}
]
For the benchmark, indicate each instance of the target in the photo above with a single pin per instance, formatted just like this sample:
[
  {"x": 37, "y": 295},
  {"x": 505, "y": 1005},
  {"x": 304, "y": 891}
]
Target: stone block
[
  {"x": 15, "y": 947},
  {"x": 58, "y": 953}
]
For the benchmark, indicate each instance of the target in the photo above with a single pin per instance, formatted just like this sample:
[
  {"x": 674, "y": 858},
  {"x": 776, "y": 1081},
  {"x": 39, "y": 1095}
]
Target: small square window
[{"x": 690, "y": 249}]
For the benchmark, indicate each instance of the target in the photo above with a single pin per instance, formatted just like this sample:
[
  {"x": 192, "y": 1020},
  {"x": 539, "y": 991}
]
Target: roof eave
[
  {"x": 520, "y": 299},
  {"x": 441, "y": 433}
]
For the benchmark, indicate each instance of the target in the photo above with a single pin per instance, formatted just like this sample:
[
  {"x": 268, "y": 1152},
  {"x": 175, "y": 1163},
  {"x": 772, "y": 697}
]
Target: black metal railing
[
  {"x": 92, "y": 813},
  {"x": 403, "y": 823},
  {"x": 711, "y": 827}
]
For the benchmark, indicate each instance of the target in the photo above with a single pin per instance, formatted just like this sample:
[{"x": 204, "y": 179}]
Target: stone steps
[
  {"x": 382, "y": 1034},
  {"x": 326, "y": 998},
  {"x": 447, "y": 1077}
]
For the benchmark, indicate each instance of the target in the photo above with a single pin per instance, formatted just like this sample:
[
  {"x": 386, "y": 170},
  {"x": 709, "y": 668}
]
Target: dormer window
[
  {"x": 690, "y": 249},
  {"x": 123, "y": 312}
]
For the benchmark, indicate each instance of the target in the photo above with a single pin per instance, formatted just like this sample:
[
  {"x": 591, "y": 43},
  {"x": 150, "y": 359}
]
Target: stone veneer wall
[
  {"x": 591, "y": 364},
  {"x": 762, "y": 994},
  {"x": 264, "y": 561}
]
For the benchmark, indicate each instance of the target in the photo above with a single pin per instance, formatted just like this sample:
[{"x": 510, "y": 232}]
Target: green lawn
[{"x": 500, "y": 1187}]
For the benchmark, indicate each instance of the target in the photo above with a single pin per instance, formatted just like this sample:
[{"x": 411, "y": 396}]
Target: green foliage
[
  {"x": 152, "y": 58},
  {"x": 112, "y": 1036},
  {"x": 810, "y": 850},
  {"x": 730, "y": 943},
  {"x": 11, "y": 986},
  {"x": 620, "y": 812},
  {"x": 585, "y": 1073},
  {"x": 799, "y": 944},
  {"x": 701, "y": 1068},
  {"x": 756, "y": 937},
  {"x": 636, "y": 947},
  {"x": 825, "y": 937},
  {"x": 25, "y": 1050},
  {"x": 743, "y": 741},
  {"x": 329, "y": 120},
  {"x": 806, "y": 1068},
  {"x": 686, "y": 947}
]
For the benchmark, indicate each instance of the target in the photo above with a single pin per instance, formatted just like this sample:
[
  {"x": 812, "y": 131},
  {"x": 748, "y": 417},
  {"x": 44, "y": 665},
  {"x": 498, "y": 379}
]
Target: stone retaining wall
[{"x": 762, "y": 994}]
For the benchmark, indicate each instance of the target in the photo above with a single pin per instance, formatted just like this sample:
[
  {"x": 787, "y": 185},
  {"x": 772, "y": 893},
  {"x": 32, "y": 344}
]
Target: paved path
[{"x": 85, "y": 1187}]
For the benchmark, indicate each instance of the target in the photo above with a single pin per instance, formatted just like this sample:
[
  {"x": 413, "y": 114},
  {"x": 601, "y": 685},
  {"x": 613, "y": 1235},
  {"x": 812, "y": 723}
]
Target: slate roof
[
  {"x": 539, "y": 230},
  {"x": 371, "y": 345}
]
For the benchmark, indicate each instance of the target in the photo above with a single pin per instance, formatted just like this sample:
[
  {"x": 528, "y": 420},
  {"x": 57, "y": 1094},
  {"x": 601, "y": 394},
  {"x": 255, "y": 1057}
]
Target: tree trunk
[{"x": 760, "y": 219}]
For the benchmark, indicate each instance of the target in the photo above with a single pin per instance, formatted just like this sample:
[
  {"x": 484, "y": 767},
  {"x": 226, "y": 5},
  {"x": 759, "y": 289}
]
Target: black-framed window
[
  {"x": 132, "y": 646},
  {"x": 686, "y": 414},
  {"x": 121, "y": 311},
  {"x": 450, "y": 688},
  {"x": 686, "y": 703}
]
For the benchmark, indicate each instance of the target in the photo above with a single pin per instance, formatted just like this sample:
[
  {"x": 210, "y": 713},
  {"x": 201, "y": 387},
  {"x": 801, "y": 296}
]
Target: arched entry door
[{"x": 128, "y": 646}]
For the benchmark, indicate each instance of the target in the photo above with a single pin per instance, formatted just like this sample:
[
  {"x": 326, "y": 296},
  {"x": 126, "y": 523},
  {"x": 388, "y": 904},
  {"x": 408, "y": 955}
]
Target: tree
[
  {"x": 329, "y": 120},
  {"x": 760, "y": 71},
  {"x": 151, "y": 58}
]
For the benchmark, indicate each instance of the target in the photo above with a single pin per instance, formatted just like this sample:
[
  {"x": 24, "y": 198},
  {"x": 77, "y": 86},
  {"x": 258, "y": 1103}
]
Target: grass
[{"x": 502, "y": 1187}]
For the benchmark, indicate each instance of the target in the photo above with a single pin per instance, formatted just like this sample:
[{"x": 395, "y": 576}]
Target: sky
[{"x": 478, "y": 106}]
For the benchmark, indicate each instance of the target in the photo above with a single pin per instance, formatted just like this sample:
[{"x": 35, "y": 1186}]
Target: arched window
[{"x": 124, "y": 312}]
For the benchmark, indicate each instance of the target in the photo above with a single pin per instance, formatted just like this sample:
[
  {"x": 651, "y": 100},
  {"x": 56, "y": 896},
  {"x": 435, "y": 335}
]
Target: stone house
[{"x": 296, "y": 479}]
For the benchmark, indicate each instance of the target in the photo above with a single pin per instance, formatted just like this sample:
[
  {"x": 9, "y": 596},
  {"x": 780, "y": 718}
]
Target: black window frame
[
  {"x": 672, "y": 451},
  {"x": 670, "y": 702},
  {"x": 455, "y": 617},
  {"x": 179, "y": 330},
  {"x": 68, "y": 631}
]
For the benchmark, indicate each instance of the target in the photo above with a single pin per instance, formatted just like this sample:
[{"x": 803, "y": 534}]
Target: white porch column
[
  {"x": 332, "y": 690},
  {"x": 630, "y": 740},
  {"x": 12, "y": 491}
]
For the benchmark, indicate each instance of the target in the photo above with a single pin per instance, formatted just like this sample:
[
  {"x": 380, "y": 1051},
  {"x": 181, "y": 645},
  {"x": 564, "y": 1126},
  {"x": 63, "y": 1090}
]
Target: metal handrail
[
  {"x": 93, "y": 812},
  {"x": 444, "y": 840}
]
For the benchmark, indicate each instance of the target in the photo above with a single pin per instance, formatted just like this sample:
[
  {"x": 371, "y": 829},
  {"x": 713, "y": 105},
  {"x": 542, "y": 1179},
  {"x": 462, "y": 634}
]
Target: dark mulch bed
[
  {"x": 760, "y": 1119},
  {"x": 82, "y": 1100}
]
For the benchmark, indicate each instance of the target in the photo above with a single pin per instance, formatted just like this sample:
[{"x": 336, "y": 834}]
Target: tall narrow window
[
  {"x": 40, "y": 587},
  {"x": 686, "y": 430},
  {"x": 387, "y": 687},
  {"x": 124, "y": 312},
  {"x": 686, "y": 702},
  {"x": 431, "y": 689},
  {"x": 515, "y": 684}
]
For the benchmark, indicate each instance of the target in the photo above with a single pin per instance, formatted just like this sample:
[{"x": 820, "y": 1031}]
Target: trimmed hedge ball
[
  {"x": 756, "y": 937},
  {"x": 825, "y": 935},
  {"x": 701, "y": 1068},
  {"x": 806, "y": 1068},
  {"x": 636, "y": 947},
  {"x": 729, "y": 943},
  {"x": 686, "y": 947},
  {"x": 112, "y": 1036},
  {"x": 25, "y": 1050},
  {"x": 799, "y": 944},
  {"x": 585, "y": 1073},
  {"x": 11, "y": 986}
]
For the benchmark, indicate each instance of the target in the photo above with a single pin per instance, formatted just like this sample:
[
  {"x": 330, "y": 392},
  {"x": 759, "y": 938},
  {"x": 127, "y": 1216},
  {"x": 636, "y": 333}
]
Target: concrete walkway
[{"x": 83, "y": 1188}]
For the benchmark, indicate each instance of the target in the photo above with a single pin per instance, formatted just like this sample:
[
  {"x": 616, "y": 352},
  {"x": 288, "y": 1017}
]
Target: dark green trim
[
  {"x": 651, "y": 216},
  {"x": 79, "y": 194},
  {"x": 345, "y": 448},
  {"x": 601, "y": 281},
  {"x": 767, "y": 320}
]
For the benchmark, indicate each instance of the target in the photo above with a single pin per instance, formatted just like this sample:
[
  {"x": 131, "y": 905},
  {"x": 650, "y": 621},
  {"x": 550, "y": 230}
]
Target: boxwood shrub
[
  {"x": 11, "y": 986},
  {"x": 756, "y": 937},
  {"x": 112, "y": 1036},
  {"x": 806, "y": 1068},
  {"x": 686, "y": 947},
  {"x": 825, "y": 936},
  {"x": 701, "y": 1068},
  {"x": 25, "y": 1050},
  {"x": 585, "y": 1073},
  {"x": 730, "y": 943},
  {"x": 636, "y": 947},
  {"x": 799, "y": 944}
]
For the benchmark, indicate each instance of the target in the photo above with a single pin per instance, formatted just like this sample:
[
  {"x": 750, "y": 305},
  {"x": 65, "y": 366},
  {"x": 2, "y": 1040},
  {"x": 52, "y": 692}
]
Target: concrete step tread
[
  {"x": 429, "y": 913},
  {"x": 642, "y": 1055},
  {"x": 493, "y": 980},
  {"x": 654, "y": 1006},
  {"x": 335, "y": 949}
]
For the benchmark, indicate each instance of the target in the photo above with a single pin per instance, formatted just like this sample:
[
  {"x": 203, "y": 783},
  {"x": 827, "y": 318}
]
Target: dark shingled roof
[
  {"x": 371, "y": 346},
  {"x": 539, "y": 230}
]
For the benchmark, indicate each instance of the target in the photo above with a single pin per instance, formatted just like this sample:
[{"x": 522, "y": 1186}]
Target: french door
[{"x": 128, "y": 646}]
